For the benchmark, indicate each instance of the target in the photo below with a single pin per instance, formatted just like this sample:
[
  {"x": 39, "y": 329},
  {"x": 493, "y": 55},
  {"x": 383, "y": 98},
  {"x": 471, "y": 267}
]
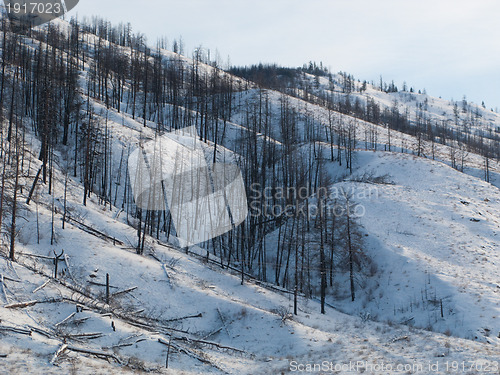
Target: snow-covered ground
[
  {"x": 432, "y": 232},
  {"x": 424, "y": 243},
  {"x": 250, "y": 320}
]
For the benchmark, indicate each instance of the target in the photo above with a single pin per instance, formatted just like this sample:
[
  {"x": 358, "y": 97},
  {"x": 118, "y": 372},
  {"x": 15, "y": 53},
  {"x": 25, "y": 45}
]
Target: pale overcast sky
[{"x": 449, "y": 47}]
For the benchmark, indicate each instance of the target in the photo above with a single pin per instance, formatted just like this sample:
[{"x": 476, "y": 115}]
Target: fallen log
[
  {"x": 123, "y": 291},
  {"x": 143, "y": 326},
  {"x": 117, "y": 346},
  {"x": 123, "y": 345},
  {"x": 38, "y": 256},
  {"x": 16, "y": 330},
  {"x": 65, "y": 320},
  {"x": 20, "y": 305},
  {"x": 186, "y": 351},
  {"x": 17, "y": 305},
  {"x": 95, "y": 353},
  {"x": 209, "y": 343},
  {"x": 60, "y": 351},
  {"x": 42, "y": 286},
  {"x": 212, "y": 333},
  {"x": 200, "y": 315},
  {"x": 100, "y": 284},
  {"x": 94, "y": 232},
  {"x": 10, "y": 279},
  {"x": 80, "y": 321},
  {"x": 154, "y": 256},
  {"x": 89, "y": 336},
  {"x": 42, "y": 332},
  {"x": 134, "y": 336}
]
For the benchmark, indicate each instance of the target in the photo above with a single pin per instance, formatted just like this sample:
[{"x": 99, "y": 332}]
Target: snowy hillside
[
  {"x": 459, "y": 114},
  {"x": 92, "y": 283},
  {"x": 217, "y": 325},
  {"x": 433, "y": 233}
]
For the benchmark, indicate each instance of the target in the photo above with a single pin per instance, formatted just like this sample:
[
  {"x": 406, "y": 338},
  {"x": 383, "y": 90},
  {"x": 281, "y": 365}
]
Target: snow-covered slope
[
  {"x": 420, "y": 235},
  {"x": 434, "y": 234},
  {"x": 240, "y": 329},
  {"x": 430, "y": 230},
  {"x": 458, "y": 114}
]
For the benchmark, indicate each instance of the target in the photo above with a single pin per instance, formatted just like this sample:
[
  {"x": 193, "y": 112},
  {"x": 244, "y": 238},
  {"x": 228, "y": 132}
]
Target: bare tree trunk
[
  {"x": 2, "y": 191},
  {"x": 14, "y": 209},
  {"x": 351, "y": 253},
  {"x": 322, "y": 258}
]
